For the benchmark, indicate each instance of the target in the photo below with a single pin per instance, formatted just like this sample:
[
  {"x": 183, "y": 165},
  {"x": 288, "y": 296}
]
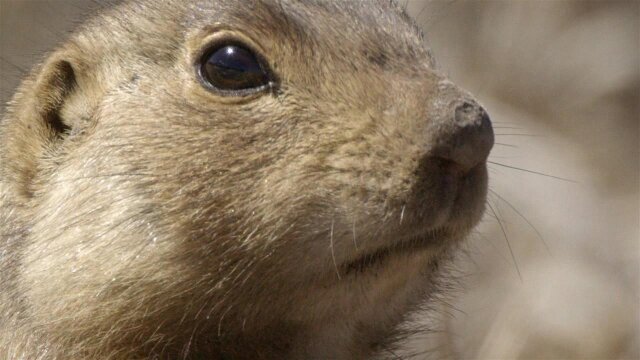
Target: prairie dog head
[{"x": 210, "y": 177}]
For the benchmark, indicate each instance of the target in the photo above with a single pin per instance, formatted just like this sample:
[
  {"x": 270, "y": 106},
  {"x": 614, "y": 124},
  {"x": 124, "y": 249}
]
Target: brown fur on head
[{"x": 145, "y": 214}]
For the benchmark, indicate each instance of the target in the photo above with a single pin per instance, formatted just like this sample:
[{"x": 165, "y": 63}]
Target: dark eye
[{"x": 233, "y": 68}]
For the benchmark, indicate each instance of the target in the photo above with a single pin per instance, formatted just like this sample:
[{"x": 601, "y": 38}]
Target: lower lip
[
  {"x": 432, "y": 240},
  {"x": 462, "y": 197}
]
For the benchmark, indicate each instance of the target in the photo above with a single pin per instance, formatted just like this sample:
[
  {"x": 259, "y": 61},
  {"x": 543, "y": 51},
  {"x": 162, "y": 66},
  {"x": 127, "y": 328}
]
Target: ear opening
[{"x": 52, "y": 89}]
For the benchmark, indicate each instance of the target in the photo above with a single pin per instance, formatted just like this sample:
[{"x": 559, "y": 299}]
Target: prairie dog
[{"x": 210, "y": 179}]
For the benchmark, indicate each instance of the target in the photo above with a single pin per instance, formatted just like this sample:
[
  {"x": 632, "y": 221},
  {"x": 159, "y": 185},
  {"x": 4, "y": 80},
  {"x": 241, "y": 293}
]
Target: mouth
[
  {"x": 460, "y": 205},
  {"x": 434, "y": 239}
]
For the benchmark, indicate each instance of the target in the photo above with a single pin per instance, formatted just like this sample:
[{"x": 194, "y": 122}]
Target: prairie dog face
[{"x": 196, "y": 176}]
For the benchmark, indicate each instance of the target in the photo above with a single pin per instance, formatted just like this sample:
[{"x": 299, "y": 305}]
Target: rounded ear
[
  {"x": 54, "y": 85},
  {"x": 33, "y": 126}
]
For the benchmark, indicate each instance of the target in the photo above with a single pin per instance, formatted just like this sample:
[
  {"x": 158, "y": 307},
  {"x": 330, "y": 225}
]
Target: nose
[{"x": 464, "y": 138}]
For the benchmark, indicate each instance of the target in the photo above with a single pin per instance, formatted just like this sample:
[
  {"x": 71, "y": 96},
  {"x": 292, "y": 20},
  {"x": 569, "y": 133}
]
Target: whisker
[
  {"x": 355, "y": 242},
  {"x": 504, "y": 232},
  {"x": 222, "y": 318},
  {"x": 514, "y": 134},
  {"x": 333, "y": 254},
  {"x": 494, "y": 246},
  {"x": 187, "y": 347},
  {"x": 509, "y": 127},
  {"x": 533, "y": 172},
  {"x": 507, "y": 145},
  {"x": 504, "y": 122},
  {"x": 523, "y": 218}
]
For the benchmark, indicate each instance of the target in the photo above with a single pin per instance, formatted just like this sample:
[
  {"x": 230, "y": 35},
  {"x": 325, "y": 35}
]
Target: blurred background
[{"x": 553, "y": 272}]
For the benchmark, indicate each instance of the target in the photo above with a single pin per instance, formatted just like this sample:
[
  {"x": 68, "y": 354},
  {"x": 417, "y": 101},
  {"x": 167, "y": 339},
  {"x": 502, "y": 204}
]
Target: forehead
[
  {"x": 379, "y": 26},
  {"x": 305, "y": 13}
]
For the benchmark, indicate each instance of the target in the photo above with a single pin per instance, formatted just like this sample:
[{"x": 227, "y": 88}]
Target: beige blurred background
[
  {"x": 554, "y": 270},
  {"x": 561, "y": 80}
]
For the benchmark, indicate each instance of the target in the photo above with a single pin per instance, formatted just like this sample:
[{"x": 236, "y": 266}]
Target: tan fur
[{"x": 143, "y": 215}]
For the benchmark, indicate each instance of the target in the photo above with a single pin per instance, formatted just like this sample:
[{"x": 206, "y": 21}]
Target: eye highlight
[{"x": 233, "y": 69}]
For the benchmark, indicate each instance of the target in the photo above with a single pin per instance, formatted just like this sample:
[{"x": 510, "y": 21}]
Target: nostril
[
  {"x": 463, "y": 139},
  {"x": 470, "y": 114}
]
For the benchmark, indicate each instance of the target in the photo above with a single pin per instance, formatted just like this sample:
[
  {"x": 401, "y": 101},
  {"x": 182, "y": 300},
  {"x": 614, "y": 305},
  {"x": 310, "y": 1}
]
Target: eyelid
[{"x": 216, "y": 35}]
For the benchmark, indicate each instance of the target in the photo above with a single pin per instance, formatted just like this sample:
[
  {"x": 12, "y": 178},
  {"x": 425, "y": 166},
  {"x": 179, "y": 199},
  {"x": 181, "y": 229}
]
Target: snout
[
  {"x": 463, "y": 138},
  {"x": 451, "y": 174}
]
